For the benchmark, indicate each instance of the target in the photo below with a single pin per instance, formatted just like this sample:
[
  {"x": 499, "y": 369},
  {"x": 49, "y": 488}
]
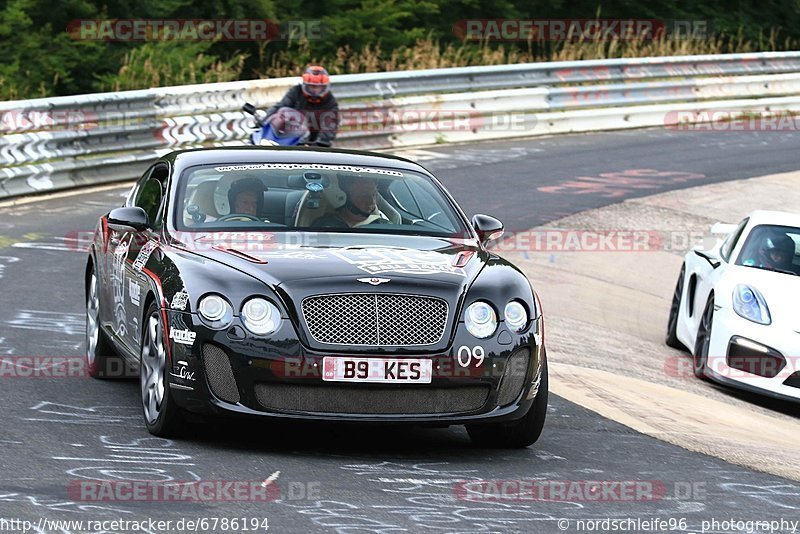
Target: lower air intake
[
  {"x": 219, "y": 373},
  {"x": 514, "y": 376},
  {"x": 370, "y": 400}
]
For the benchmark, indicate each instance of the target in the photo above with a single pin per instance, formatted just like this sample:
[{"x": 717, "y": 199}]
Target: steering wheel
[{"x": 240, "y": 217}]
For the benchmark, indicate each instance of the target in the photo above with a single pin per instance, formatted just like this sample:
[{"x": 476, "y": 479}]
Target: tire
[
  {"x": 101, "y": 359},
  {"x": 162, "y": 416},
  {"x": 516, "y": 434},
  {"x": 703, "y": 342},
  {"x": 674, "y": 312}
]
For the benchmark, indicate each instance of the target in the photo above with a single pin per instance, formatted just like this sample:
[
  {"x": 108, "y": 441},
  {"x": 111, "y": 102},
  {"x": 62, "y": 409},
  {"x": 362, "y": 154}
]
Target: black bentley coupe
[{"x": 313, "y": 284}]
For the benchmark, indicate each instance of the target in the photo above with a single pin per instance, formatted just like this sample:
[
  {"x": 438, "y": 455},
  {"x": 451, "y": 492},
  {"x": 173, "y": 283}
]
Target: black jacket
[{"x": 323, "y": 118}]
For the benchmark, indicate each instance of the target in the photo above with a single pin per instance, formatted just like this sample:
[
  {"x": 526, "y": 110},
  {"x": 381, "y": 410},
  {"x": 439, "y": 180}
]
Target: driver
[
  {"x": 246, "y": 196},
  {"x": 776, "y": 252},
  {"x": 360, "y": 209}
]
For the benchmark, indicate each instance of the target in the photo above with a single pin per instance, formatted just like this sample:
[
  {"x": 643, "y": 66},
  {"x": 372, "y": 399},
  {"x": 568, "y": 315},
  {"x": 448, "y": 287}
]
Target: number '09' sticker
[{"x": 466, "y": 354}]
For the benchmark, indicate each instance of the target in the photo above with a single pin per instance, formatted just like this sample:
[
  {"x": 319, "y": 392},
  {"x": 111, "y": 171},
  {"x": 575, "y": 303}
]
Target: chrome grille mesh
[
  {"x": 375, "y": 319},
  {"x": 219, "y": 373},
  {"x": 345, "y": 398},
  {"x": 514, "y": 376}
]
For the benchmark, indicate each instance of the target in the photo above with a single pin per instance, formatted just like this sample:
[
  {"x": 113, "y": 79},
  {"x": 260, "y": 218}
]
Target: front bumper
[
  {"x": 757, "y": 358},
  {"x": 231, "y": 372}
]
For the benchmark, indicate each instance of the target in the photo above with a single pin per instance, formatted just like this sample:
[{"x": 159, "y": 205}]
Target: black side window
[
  {"x": 150, "y": 195},
  {"x": 730, "y": 242}
]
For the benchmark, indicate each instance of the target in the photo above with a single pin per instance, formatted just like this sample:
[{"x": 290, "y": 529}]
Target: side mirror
[
  {"x": 710, "y": 258},
  {"x": 128, "y": 219},
  {"x": 488, "y": 228},
  {"x": 249, "y": 108}
]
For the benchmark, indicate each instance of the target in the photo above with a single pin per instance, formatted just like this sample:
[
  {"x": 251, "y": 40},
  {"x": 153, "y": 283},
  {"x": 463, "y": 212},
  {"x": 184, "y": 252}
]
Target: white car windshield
[{"x": 771, "y": 247}]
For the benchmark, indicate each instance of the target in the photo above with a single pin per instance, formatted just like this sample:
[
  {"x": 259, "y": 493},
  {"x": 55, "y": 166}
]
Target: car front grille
[
  {"x": 377, "y": 319},
  {"x": 362, "y": 399}
]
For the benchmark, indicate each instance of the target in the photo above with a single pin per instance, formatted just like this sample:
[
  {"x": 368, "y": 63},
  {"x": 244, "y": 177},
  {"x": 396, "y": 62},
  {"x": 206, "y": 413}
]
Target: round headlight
[
  {"x": 480, "y": 319},
  {"x": 515, "y": 315},
  {"x": 260, "y": 316},
  {"x": 215, "y": 311}
]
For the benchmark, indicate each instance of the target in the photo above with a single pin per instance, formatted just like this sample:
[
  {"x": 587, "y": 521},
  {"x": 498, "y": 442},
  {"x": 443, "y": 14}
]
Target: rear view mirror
[
  {"x": 128, "y": 219},
  {"x": 488, "y": 228}
]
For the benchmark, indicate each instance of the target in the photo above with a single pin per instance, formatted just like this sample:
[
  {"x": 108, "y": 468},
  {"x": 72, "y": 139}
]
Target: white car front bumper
[{"x": 759, "y": 358}]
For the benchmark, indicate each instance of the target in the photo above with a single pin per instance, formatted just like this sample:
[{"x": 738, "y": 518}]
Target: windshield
[
  {"x": 313, "y": 197},
  {"x": 773, "y": 248}
]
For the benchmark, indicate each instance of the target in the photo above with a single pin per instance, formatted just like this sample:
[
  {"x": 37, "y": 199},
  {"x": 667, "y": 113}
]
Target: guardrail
[{"x": 63, "y": 142}]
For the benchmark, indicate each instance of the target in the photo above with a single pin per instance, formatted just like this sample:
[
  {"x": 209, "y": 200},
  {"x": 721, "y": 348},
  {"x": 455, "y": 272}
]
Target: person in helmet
[
  {"x": 246, "y": 196},
  {"x": 772, "y": 250},
  {"x": 777, "y": 252},
  {"x": 313, "y": 98}
]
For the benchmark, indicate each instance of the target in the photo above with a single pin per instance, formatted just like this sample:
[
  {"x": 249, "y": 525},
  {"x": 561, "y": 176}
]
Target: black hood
[{"x": 283, "y": 259}]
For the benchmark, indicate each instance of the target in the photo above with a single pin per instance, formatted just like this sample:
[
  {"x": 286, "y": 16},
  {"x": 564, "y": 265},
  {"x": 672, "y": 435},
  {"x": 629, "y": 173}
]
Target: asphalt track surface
[{"x": 58, "y": 431}]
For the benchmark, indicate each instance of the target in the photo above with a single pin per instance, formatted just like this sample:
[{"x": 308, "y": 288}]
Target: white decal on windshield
[{"x": 307, "y": 166}]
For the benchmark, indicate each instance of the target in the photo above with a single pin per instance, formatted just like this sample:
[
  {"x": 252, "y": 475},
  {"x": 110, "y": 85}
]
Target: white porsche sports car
[{"x": 736, "y": 306}]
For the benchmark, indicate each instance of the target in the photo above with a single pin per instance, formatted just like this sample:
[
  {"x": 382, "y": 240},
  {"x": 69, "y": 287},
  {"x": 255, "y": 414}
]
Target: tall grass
[
  {"x": 429, "y": 53},
  {"x": 166, "y": 63}
]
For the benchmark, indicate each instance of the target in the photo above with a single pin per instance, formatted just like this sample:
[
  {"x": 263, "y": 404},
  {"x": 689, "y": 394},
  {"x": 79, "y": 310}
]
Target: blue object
[
  {"x": 315, "y": 187},
  {"x": 267, "y": 133}
]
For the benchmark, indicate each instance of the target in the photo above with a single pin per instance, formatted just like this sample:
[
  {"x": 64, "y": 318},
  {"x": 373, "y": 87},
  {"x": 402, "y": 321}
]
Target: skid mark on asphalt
[
  {"x": 783, "y": 496},
  {"x": 70, "y": 324},
  {"x": 55, "y": 412}
]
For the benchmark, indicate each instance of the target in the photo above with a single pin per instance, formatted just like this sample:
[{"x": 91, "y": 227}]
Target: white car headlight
[
  {"x": 750, "y": 304},
  {"x": 215, "y": 311},
  {"x": 516, "y": 316},
  {"x": 481, "y": 319},
  {"x": 260, "y": 316}
]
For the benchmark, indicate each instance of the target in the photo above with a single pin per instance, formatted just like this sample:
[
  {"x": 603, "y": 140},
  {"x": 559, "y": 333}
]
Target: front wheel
[
  {"x": 516, "y": 434},
  {"x": 161, "y": 415},
  {"x": 703, "y": 342},
  {"x": 674, "y": 312}
]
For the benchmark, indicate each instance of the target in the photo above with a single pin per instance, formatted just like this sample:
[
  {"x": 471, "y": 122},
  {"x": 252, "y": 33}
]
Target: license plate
[{"x": 392, "y": 370}]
